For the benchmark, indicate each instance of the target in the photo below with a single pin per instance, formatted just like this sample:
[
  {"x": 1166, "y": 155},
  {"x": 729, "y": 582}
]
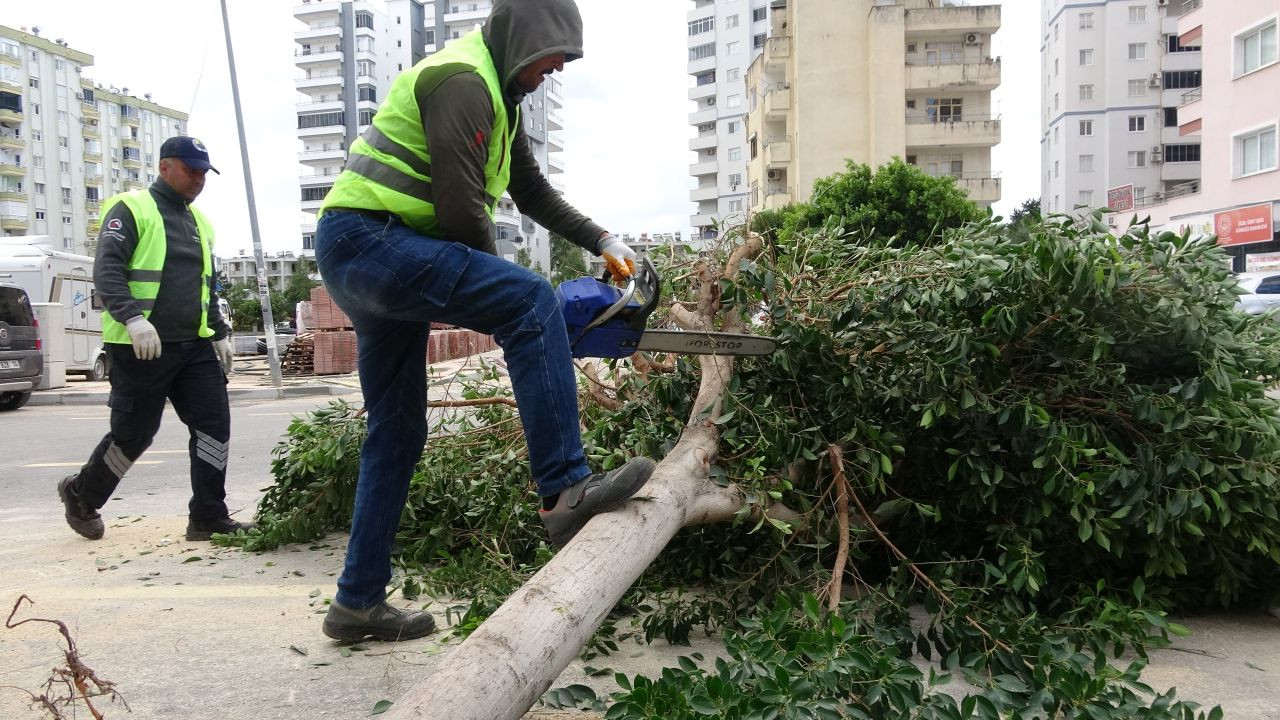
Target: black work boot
[
  {"x": 380, "y": 622},
  {"x": 204, "y": 529},
  {"x": 592, "y": 495},
  {"x": 82, "y": 518}
]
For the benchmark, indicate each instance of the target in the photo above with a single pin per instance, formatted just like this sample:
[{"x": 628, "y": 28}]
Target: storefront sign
[
  {"x": 1262, "y": 262},
  {"x": 1120, "y": 198},
  {"x": 1243, "y": 226}
]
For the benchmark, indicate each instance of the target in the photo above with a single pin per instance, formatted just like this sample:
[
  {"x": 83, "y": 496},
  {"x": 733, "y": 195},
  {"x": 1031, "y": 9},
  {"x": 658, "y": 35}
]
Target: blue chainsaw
[{"x": 605, "y": 321}]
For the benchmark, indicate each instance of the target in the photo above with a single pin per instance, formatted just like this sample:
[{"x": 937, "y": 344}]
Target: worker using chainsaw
[{"x": 406, "y": 237}]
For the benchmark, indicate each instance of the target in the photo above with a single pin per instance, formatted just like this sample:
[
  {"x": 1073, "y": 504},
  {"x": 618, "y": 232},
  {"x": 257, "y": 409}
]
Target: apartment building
[
  {"x": 868, "y": 80},
  {"x": 66, "y": 142},
  {"x": 724, "y": 37},
  {"x": 349, "y": 53},
  {"x": 1114, "y": 77},
  {"x": 242, "y": 269},
  {"x": 1236, "y": 116}
]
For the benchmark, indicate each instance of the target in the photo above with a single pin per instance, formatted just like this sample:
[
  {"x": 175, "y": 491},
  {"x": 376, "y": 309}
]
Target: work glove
[
  {"x": 225, "y": 356},
  {"x": 145, "y": 339},
  {"x": 618, "y": 258}
]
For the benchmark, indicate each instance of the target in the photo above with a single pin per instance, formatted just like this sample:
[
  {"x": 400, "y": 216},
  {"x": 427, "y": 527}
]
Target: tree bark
[{"x": 502, "y": 669}]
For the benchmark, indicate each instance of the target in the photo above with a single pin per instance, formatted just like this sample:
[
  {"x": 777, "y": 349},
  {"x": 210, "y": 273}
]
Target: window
[
  {"x": 1086, "y": 21},
  {"x": 735, "y": 206},
  {"x": 757, "y": 41},
  {"x": 705, "y": 128},
  {"x": 1137, "y": 123},
  {"x": 705, "y": 78},
  {"x": 1056, "y": 168},
  {"x": 702, "y": 51},
  {"x": 1137, "y": 158},
  {"x": 64, "y": 141},
  {"x": 313, "y": 120},
  {"x": 66, "y": 194},
  {"x": 734, "y": 127},
  {"x": 731, "y": 21},
  {"x": 1182, "y": 153},
  {"x": 735, "y": 179},
  {"x": 1055, "y": 134},
  {"x": 1056, "y": 101},
  {"x": 1055, "y": 67},
  {"x": 367, "y": 93},
  {"x": 364, "y": 68},
  {"x": 1181, "y": 79},
  {"x": 735, "y": 153},
  {"x": 1086, "y": 163},
  {"x": 732, "y": 48},
  {"x": 944, "y": 109},
  {"x": 1086, "y": 198},
  {"x": 1137, "y": 13},
  {"x": 1086, "y": 93},
  {"x": 62, "y": 116},
  {"x": 39, "y": 214},
  {"x": 366, "y": 117},
  {"x": 33, "y": 82},
  {"x": 37, "y": 135},
  {"x": 1171, "y": 117},
  {"x": 364, "y": 20},
  {"x": 314, "y": 193},
  {"x": 1086, "y": 57},
  {"x": 1086, "y": 127},
  {"x": 1255, "y": 151},
  {"x": 1138, "y": 88},
  {"x": 758, "y": 14},
  {"x": 58, "y": 64},
  {"x": 1055, "y": 31},
  {"x": 65, "y": 167},
  {"x": 1177, "y": 47},
  {"x": 697, "y": 27},
  {"x": 733, "y": 101},
  {"x": 39, "y": 188},
  {"x": 1137, "y": 51},
  {"x": 66, "y": 219},
  {"x": 1256, "y": 48},
  {"x": 733, "y": 74}
]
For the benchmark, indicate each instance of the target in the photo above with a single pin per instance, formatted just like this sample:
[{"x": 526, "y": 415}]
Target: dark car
[{"x": 21, "y": 358}]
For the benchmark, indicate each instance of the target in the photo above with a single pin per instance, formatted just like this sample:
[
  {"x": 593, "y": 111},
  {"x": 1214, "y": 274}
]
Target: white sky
[{"x": 626, "y": 129}]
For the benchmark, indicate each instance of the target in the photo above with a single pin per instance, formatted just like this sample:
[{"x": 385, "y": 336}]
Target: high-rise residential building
[
  {"x": 1235, "y": 116},
  {"x": 68, "y": 143},
  {"x": 867, "y": 81},
  {"x": 242, "y": 269},
  {"x": 348, "y": 55},
  {"x": 724, "y": 37},
  {"x": 1114, "y": 77}
]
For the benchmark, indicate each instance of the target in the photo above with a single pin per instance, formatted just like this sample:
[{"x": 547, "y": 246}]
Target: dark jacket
[
  {"x": 176, "y": 315},
  {"x": 456, "y": 110}
]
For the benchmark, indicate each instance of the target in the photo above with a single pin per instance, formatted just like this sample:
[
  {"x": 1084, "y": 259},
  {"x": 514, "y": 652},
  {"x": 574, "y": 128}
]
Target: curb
[{"x": 42, "y": 397}]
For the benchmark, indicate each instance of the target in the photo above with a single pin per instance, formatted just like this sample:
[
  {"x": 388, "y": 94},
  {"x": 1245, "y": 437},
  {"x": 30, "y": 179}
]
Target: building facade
[
  {"x": 1114, "y": 78},
  {"x": 242, "y": 269},
  {"x": 724, "y": 37},
  {"x": 870, "y": 80},
  {"x": 348, "y": 55},
  {"x": 67, "y": 143},
  {"x": 1236, "y": 114}
]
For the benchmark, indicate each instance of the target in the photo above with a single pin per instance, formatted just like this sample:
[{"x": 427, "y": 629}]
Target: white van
[{"x": 50, "y": 275}]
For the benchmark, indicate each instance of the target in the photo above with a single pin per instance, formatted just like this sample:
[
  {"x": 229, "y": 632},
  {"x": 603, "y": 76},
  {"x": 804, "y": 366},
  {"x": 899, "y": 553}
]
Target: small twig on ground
[
  {"x": 76, "y": 675},
  {"x": 509, "y": 402}
]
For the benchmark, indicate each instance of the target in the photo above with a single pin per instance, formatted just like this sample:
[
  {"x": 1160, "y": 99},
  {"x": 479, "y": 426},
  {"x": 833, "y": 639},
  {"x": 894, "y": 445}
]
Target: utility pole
[{"x": 264, "y": 289}]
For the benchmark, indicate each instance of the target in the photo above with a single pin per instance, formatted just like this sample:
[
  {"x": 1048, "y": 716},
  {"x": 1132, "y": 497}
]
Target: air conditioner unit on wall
[
  {"x": 774, "y": 174},
  {"x": 1162, "y": 2},
  {"x": 1154, "y": 81},
  {"x": 971, "y": 39}
]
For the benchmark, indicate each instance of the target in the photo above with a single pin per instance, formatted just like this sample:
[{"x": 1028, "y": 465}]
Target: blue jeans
[{"x": 393, "y": 283}]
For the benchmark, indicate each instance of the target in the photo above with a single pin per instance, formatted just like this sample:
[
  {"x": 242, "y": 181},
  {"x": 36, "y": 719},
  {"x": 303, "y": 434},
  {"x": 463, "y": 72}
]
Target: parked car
[
  {"x": 21, "y": 357},
  {"x": 284, "y": 335},
  {"x": 1262, "y": 292}
]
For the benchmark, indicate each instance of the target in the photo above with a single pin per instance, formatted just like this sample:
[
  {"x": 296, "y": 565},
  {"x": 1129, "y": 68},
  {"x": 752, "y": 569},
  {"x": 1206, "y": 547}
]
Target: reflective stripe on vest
[
  {"x": 389, "y": 166},
  {"x": 146, "y": 267}
]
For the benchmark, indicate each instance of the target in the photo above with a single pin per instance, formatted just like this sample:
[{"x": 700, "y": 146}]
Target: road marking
[{"x": 78, "y": 464}]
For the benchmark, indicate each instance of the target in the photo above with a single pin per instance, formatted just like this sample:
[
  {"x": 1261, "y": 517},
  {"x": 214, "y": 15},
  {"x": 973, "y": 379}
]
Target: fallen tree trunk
[{"x": 513, "y": 657}]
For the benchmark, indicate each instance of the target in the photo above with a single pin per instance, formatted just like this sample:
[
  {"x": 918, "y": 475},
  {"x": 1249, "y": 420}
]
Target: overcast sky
[{"x": 626, "y": 130}]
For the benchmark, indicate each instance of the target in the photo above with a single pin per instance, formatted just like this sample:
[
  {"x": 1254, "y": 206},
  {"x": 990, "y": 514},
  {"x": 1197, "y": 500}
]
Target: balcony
[
  {"x": 709, "y": 192},
  {"x": 777, "y": 153},
  {"x": 777, "y": 197},
  {"x": 9, "y": 114},
  {"x": 318, "y": 105},
  {"x": 703, "y": 142},
  {"x": 310, "y": 57},
  {"x": 980, "y": 187},
  {"x": 13, "y": 195},
  {"x": 310, "y": 156},
  {"x": 467, "y": 17},
  {"x": 555, "y": 165},
  {"x": 554, "y": 120},
  {"x": 981, "y": 131},
  {"x": 777, "y": 101},
  {"x": 132, "y": 163},
  {"x": 701, "y": 65},
  {"x": 322, "y": 130},
  {"x": 706, "y": 167},
  {"x": 1180, "y": 171},
  {"x": 320, "y": 177},
  {"x": 555, "y": 143},
  {"x": 89, "y": 110},
  {"x": 134, "y": 184},
  {"x": 130, "y": 117},
  {"x": 90, "y": 129},
  {"x": 953, "y": 19},
  {"x": 703, "y": 116},
  {"x": 11, "y": 168},
  {"x": 94, "y": 180},
  {"x": 777, "y": 51},
  {"x": 12, "y": 86},
  {"x": 10, "y": 58},
  {"x": 506, "y": 213},
  {"x": 130, "y": 142},
  {"x": 698, "y": 92},
  {"x": 702, "y": 220},
  {"x": 321, "y": 31},
  {"x": 13, "y": 222},
  {"x": 11, "y": 140},
  {"x": 960, "y": 76},
  {"x": 319, "y": 81},
  {"x": 316, "y": 10}
]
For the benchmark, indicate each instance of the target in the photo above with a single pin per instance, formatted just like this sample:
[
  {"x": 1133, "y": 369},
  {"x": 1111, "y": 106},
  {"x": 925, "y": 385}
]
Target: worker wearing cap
[
  {"x": 406, "y": 237},
  {"x": 165, "y": 339}
]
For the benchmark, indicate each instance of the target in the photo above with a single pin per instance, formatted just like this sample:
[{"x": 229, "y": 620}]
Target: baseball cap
[{"x": 189, "y": 150}]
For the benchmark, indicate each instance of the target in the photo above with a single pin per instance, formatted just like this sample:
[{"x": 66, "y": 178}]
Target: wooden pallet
[{"x": 299, "y": 357}]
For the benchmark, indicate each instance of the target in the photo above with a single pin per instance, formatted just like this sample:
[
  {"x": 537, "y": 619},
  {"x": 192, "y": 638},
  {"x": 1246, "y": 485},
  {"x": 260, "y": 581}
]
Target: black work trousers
[{"x": 190, "y": 376}]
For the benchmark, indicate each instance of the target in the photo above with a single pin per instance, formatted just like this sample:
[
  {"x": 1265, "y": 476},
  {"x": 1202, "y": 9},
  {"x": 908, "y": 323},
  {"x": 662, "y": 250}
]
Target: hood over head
[{"x": 521, "y": 31}]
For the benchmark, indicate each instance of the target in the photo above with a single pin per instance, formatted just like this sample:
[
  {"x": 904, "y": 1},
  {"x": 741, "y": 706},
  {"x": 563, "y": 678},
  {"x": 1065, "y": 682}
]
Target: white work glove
[
  {"x": 618, "y": 258},
  {"x": 225, "y": 356},
  {"x": 146, "y": 341}
]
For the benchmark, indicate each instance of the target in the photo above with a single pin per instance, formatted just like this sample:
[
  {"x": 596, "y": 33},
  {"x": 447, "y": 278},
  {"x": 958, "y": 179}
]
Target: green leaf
[{"x": 380, "y": 707}]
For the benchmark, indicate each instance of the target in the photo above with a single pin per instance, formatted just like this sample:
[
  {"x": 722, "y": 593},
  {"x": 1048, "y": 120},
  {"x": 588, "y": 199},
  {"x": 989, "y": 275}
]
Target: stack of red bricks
[{"x": 335, "y": 341}]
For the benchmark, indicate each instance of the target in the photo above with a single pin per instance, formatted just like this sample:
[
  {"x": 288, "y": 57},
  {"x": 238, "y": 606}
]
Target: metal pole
[{"x": 264, "y": 290}]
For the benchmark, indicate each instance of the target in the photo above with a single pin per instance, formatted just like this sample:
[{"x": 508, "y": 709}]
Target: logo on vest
[{"x": 114, "y": 224}]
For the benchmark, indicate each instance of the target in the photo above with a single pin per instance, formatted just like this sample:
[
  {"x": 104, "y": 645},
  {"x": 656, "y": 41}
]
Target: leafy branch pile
[{"x": 1064, "y": 432}]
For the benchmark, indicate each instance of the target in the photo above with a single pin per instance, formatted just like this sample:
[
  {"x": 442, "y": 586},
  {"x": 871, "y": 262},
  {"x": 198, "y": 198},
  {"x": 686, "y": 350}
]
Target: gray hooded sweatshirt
[{"x": 459, "y": 109}]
